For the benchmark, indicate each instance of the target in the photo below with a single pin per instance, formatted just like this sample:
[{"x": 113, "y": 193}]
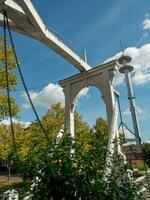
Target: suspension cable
[
  {"x": 121, "y": 120},
  {"x": 7, "y": 86},
  {"x": 65, "y": 39},
  {"x": 22, "y": 78},
  {"x": 78, "y": 48}
]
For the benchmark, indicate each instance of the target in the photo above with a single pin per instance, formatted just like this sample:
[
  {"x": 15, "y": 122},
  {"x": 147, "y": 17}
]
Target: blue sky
[{"x": 97, "y": 26}]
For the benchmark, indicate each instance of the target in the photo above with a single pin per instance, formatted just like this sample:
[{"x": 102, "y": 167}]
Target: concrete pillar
[
  {"x": 69, "y": 111},
  {"x": 108, "y": 95}
]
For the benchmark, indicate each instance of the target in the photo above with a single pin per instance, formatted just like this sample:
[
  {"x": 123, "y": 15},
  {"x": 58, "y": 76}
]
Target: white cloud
[
  {"x": 51, "y": 94},
  {"x": 146, "y": 22},
  {"x": 16, "y": 121},
  {"x": 128, "y": 134},
  {"x": 83, "y": 93},
  {"x": 140, "y": 61},
  {"x": 145, "y": 27},
  {"x": 141, "y": 78},
  {"x": 127, "y": 111},
  {"x": 129, "y": 137},
  {"x": 144, "y": 36}
]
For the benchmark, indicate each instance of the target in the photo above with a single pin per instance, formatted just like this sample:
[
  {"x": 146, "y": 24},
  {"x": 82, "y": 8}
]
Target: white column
[
  {"x": 69, "y": 111},
  {"x": 108, "y": 96}
]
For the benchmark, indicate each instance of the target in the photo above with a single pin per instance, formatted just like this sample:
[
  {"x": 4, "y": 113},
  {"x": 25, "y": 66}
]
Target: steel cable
[{"x": 23, "y": 80}]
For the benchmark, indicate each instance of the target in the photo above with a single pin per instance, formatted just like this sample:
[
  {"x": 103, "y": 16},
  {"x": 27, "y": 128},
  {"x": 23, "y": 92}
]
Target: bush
[{"x": 62, "y": 171}]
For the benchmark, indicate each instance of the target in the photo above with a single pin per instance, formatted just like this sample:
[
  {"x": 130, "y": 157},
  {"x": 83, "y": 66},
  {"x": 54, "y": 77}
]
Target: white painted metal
[
  {"x": 24, "y": 19},
  {"x": 111, "y": 142},
  {"x": 132, "y": 106},
  {"x": 126, "y": 69},
  {"x": 113, "y": 147},
  {"x": 101, "y": 77}
]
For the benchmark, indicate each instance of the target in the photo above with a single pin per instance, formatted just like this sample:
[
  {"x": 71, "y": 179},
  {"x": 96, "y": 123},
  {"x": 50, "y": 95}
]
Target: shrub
[{"x": 62, "y": 171}]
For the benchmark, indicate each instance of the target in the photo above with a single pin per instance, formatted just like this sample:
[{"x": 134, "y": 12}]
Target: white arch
[{"x": 100, "y": 77}]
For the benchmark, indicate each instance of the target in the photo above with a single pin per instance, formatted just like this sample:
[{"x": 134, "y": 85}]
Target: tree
[
  {"x": 54, "y": 120},
  {"x": 101, "y": 131},
  {"x": 4, "y": 111},
  {"x": 8, "y": 80},
  {"x": 72, "y": 169},
  {"x": 146, "y": 150},
  {"x": 5, "y": 143},
  {"x": 32, "y": 139},
  {"x": 67, "y": 168},
  {"x": 57, "y": 175},
  {"x": 83, "y": 134}
]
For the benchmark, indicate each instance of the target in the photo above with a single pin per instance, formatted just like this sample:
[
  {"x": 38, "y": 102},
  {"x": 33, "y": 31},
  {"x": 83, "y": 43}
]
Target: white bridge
[{"x": 23, "y": 18}]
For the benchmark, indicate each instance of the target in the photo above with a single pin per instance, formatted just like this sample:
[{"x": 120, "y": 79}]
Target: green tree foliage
[
  {"x": 53, "y": 120},
  {"x": 101, "y": 131},
  {"x": 3, "y": 84},
  {"x": 67, "y": 168},
  {"x": 146, "y": 149},
  {"x": 83, "y": 134},
  {"x": 72, "y": 169},
  {"x": 22, "y": 138},
  {"x": 5, "y": 143},
  {"x": 7, "y": 151},
  {"x": 58, "y": 175},
  {"x": 85, "y": 137},
  {"x": 4, "y": 112}
]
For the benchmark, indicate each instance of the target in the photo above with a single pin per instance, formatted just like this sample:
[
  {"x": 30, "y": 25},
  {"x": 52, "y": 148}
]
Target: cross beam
[{"x": 23, "y": 18}]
